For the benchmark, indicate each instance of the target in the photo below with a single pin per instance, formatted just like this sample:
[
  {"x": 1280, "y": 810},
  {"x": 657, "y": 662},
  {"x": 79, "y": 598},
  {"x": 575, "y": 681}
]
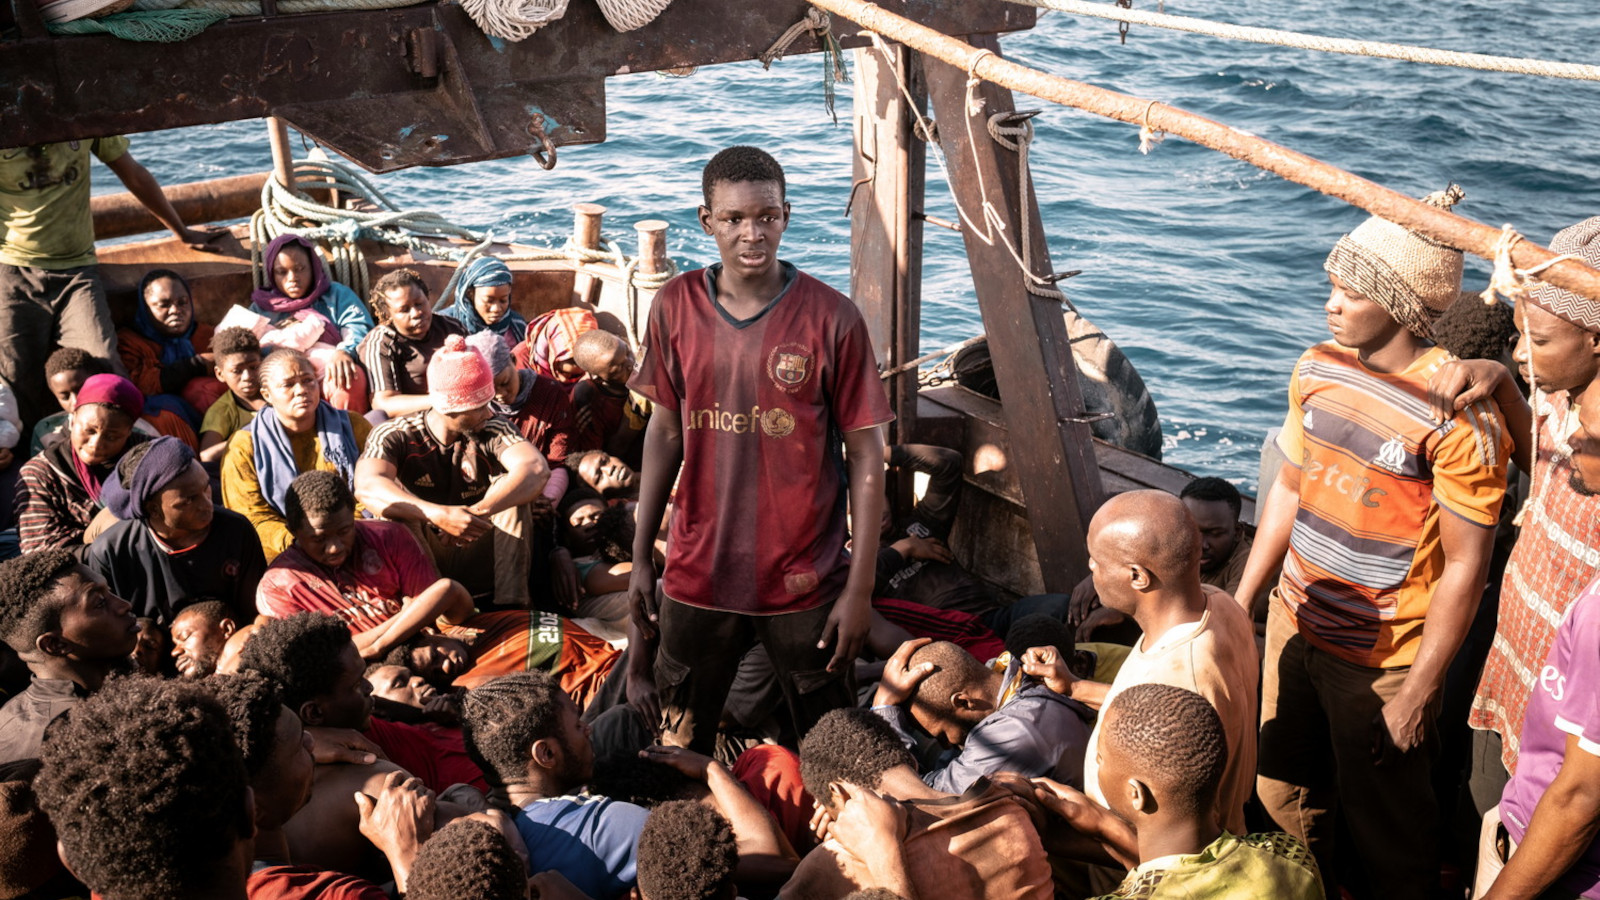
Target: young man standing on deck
[
  {"x": 761, "y": 373},
  {"x": 1383, "y": 519}
]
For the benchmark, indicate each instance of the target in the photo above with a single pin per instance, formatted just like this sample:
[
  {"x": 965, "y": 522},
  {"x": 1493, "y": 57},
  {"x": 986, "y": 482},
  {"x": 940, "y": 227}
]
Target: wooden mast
[{"x": 1050, "y": 440}]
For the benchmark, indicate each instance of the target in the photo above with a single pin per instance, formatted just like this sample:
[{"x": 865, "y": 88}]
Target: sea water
[{"x": 1206, "y": 271}]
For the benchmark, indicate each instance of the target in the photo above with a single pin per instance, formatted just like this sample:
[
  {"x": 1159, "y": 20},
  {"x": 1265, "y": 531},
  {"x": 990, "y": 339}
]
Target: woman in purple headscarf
[{"x": 298, "y": 287}]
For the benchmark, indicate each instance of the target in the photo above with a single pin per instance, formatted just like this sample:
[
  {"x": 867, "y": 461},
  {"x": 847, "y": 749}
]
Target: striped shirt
[
  {"x": 1375, "y": 471},
  {"x": 395, "y": 362},
  {"x": 1556, "y": 556}
]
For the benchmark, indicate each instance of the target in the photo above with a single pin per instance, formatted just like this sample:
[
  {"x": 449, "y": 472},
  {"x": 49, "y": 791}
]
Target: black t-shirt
[
  {"x": 456, "y": 474},
  {"x": 398, "y": 363},
  {"x": 226, "y": 566}
]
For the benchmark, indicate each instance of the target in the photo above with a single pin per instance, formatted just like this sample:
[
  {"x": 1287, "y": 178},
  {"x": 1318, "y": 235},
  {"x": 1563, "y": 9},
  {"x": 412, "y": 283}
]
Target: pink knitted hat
[{"x": 459, "y": 378}]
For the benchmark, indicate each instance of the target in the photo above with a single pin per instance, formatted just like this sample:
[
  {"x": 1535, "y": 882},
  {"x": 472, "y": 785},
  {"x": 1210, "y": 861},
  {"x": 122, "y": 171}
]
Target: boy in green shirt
[
  {"x": 1162, "y": 753},
  {"x": 236, "y": 355}
]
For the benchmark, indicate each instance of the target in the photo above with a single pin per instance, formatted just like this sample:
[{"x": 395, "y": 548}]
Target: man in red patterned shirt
[
  {"x": 760, "y": 373},
  {"x": 1557, "y": 553}
]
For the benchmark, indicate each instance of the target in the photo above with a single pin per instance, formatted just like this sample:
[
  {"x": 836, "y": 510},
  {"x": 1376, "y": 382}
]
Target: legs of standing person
[
  {"x": 83, "y": 317},
  {"x": 28, "y": 322},
  {"x": 1295, "y": 777},
  {"x": 695, "y": 664},
  {"x": 1390, "y": 810},
  {"x": 801, "y": 666}
]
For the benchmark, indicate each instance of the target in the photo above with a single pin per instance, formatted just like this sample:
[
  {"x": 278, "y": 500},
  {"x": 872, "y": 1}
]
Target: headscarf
[
  {"x": 552, "y": 336},
  {"x": 166, "y": 459},
  {"x": 110, "y": 390},
  {"x": 1583, "y": 241},
  {"x": 484, "y": 271},
  {"x": 273, "y": 455},
  {"x": 173, "y": 349},
  {"x": 272, "y": 300}
]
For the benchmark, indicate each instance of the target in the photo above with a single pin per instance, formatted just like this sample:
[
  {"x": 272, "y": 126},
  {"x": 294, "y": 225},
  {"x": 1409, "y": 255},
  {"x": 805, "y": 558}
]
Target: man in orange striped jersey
[{"x": 1383, "y": 520}]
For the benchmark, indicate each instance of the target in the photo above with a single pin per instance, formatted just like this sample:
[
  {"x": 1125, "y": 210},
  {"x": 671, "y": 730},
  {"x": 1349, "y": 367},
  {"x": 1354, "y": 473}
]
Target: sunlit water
[{"x": 1205, "y": 270}]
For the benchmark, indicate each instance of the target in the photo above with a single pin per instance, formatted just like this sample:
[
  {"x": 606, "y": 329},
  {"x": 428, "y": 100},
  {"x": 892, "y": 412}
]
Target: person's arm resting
[{"x": 1563, "y": 827}]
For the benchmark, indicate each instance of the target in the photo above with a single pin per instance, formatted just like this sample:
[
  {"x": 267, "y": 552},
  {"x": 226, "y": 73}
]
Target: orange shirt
[{"x": 1376, "y": 471}]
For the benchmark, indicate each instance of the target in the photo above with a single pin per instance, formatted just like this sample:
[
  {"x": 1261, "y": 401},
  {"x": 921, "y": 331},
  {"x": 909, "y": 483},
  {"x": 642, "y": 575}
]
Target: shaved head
[{"x": 1152, "y": 530}]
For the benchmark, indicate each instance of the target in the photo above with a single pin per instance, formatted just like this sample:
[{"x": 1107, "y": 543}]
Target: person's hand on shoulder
[
  {"x": 398, "y": 821},
  {"x": 342, "y": 745},
  {"x": 1047, "y": 665},
  {"x": 695, "y": 765}
]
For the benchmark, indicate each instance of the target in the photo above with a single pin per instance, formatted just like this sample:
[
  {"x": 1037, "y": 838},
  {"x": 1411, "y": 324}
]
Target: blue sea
[{"x": 1205, "y": 270}]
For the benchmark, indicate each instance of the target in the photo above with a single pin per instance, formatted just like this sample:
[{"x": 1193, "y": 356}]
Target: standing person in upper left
[{"x": 50, "y": 291}]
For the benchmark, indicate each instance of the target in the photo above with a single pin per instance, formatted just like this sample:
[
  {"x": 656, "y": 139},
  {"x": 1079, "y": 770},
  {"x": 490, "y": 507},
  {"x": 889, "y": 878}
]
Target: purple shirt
[{"x": 1566, "y": 700}]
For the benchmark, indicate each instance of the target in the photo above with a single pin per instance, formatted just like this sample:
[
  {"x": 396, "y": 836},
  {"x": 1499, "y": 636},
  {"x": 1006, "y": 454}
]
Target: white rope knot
[
  {"x": 816, "y": 21},
  {"x": 1505, "y": 281},
  {"x": 974, "y": 102},
  {"x": 1148, "y": 136}
]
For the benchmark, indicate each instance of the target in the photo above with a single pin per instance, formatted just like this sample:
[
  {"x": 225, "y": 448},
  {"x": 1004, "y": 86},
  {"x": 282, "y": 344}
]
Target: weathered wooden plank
[
  {"x": 1051, "y": 446},
  {"x": 885, "y": 237}
]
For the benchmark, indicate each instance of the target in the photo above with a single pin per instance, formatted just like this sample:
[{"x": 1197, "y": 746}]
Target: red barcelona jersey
[{"x": 758, "y": 524}]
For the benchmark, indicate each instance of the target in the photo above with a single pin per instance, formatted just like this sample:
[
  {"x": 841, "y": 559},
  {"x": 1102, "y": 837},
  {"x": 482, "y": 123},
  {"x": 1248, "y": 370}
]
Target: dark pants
[
  {"x": 1316, "y": 768},
  {"x": 41, "y": 310},
  {"x": 699, "y": 657}
]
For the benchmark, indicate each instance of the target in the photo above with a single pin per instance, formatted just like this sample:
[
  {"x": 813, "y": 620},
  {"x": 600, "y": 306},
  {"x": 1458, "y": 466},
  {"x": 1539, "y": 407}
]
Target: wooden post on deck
[
  {"x": 1038, "y": 381},
  {"x": 885, "y": 235},
  {"x": 282, "y": 156},
  {"x": 586, "y": 220}
]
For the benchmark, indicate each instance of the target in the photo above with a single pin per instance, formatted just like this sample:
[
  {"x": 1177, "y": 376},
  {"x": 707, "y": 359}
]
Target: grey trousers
[{"x": 41, "y": 310}]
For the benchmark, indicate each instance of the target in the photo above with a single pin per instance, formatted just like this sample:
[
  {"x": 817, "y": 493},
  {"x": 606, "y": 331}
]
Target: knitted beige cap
[
  {"x": 1407, "y": 274},
  {"x": 1583, "y": 241}
]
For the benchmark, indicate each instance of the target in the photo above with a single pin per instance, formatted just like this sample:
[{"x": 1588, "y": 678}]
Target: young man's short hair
[
  {"x": 72, "y": 359},
  {"x": 212, "y": 612},
  {"x": 316, "y": 493},
  {"x": 301, "y": 653},
  {"x": 953, "y": 670},
  {"x": 1040, "y": 630},
  {"x": 686, "y": 852},
  {"x": 234, "y": 341},
  {"x": 737, "y": 164},
  {"x": 1172, "y": 739},
  {"x": 642, "y": 782},
  {"x": 851, "y": 745},
  {"x": 254, "y": 704},
  {"x": 1212, "y": 489},
  {"x": 467, "y": 860},
  {"x": 501, "y": 719},
  {"x": 1472, "y": 329},
  {"x": 29, "y": 606},
  {"x": 146, "y": 789}
]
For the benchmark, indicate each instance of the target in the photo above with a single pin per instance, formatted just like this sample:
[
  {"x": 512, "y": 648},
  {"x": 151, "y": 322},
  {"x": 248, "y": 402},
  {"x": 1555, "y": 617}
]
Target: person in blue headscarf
[
  {"x": 166, "y": 350},
  {"x": 481, "y": 300}
]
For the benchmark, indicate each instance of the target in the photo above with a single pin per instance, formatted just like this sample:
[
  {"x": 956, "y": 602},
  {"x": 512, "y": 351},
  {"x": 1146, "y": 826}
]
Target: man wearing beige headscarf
[{"x": 1383, "y": 519}]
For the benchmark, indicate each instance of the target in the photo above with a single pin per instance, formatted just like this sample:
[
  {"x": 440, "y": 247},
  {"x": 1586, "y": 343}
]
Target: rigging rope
[
  {"x": 159, "y": 25},
  {"x": 421, "y": 231},
  {"x": 1407, "y": 52}
]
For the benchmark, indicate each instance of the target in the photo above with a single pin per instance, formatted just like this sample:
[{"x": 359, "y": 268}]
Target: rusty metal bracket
[{"x": 545, "y": 153}]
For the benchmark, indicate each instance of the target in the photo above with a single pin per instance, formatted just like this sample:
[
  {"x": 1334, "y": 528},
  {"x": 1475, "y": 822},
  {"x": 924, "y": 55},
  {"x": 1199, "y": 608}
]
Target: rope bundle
[
  {"x": 156, "y": 25},
  {"x": 513, "y": 20},
  {"x": 337, "y": 231},
  {"x": 627, "y": 15}
]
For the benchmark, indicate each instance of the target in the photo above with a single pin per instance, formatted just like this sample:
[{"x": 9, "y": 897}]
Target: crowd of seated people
[{"x": 405, "y": 596}]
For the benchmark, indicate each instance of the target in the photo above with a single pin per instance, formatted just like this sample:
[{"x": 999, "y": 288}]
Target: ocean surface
[{"x": 1206, "y": 271}]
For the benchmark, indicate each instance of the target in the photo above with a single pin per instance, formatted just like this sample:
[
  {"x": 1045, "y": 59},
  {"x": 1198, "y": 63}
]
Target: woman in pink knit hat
[{"x": 461, "y": 476}]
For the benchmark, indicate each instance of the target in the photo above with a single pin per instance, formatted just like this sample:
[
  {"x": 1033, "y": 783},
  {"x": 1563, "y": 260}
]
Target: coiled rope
[
  {"x": 421, "y": 231},
  {"x": 1407, "y": 52},
  {"x": 294, "y": 7}
]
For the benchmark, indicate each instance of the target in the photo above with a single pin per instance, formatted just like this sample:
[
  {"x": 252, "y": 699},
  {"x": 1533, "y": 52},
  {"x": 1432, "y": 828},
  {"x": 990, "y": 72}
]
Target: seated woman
[
  {"x": 159, "y": 351},
  {"x": 373, "y": 575},
  {"x": 481, "y": 301},
  {"x": 296, "y": 432},
  {"x": 397, "y": 351},
  {"x": 172, "y": 547},
  {"x": 299, "y": 288},
  {"x": 552, "y": 342},
  {"x": 59, "y": 495}
]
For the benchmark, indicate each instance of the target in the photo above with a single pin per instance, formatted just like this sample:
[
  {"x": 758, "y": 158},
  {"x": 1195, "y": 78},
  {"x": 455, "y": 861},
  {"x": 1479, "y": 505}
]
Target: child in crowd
[
  {"x": 1162, "y": 754},
  {"x": 397, "y": 351},
  {"x": 481, "y": 301},
  {"x": 758, "y": 369},
  {"x": 552, "y": 341},
  {"x": 608, "y": 415},
  {"x": 236, "y": 353},
  {"x": 65, "y": 372},
  {"x": 299, "y": 289},
  {"x": 160, "y": 350}
]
